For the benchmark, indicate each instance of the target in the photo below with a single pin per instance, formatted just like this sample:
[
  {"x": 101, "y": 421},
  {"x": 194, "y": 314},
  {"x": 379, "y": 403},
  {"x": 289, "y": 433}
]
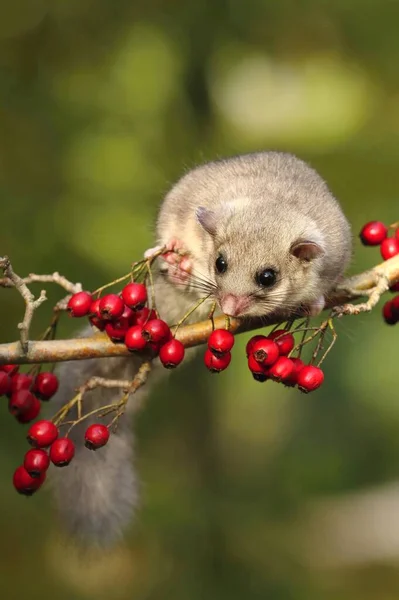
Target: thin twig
[{"x": 31, "y": 304}]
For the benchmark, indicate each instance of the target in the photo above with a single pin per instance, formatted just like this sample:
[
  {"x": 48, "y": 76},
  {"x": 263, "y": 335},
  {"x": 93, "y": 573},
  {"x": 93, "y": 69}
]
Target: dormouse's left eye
[{"x": 266, "y": 278}]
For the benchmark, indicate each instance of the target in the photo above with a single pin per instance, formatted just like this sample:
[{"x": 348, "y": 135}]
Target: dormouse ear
[
  {"x": 207, "y": 219},
  {"x": 306, "y": 250}
]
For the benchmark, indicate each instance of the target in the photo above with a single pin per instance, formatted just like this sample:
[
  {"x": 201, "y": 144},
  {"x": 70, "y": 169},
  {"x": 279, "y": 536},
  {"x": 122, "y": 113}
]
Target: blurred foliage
[{"x": 102, "y": 106}]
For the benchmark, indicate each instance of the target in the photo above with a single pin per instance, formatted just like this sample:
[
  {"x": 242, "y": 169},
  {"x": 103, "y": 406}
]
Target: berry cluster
[
  {"x": 48, "y": 448},
  {"x": 24, "y": 391},
  {"x": 126, "y": 319},
  {"x": 267, "y": 359},
  {"x": 375, "y": 233}
]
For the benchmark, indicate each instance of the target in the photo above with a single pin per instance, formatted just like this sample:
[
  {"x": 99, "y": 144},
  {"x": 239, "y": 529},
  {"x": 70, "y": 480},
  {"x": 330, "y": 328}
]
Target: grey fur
[{"x": 253, "y": 208}]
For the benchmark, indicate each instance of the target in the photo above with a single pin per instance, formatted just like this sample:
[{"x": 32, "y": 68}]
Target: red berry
[
  {"x": 156, "y": 331},
  {"x": 111, "y": 307},
  {"x": 5, "y": 383},
  {"x": 96, "y": 435},
  {"x": 21, "y": 402},
  {"x": 389, "y": 248},
  {"x": 24, "y": 483},
  {"x": 282, "y": 369},
  {"x": 94, "y": 317},
  {"x": 265, "y": 351},
  {"x": 171, "y": 354},
  {"x": 31, "y": 414},
  {"x": 220, "y": 341},
  {"x": 95, "y": 308},
  {"x": 388, "y": 314},
  {"x": 259, "y": 372},
  {"x": 395, "y": 307},
  {"x": 46, "y": 385},
  {"x": 284, "y": 340},
  {"x": 134, "y": 295},
  {"x": 251, "y": 342},
  {"x": 310, "y": 378},
  {"x": 215, "y": 364},
  {"x": 9, "y": 369},
  {"x": 144, "y": 315},
  {"x": 42, "y": 434},
  {"x": 79, "y": 304},
  {"x": 292, "y": 380},
  {"x": 395, "y": 287},
  {"x": 117, "y": 331},
  {"x": 397, "y": 232},
  {"x": 62, "y": 452},
  {"x": 373, "y": 233},
  {"x": 21, "y": 381},
  {"x": 134, "y": 340},
  {"x": 36, "y": 462}
]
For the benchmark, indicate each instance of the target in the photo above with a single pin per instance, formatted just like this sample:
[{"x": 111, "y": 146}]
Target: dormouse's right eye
[{"x": 221, "y": 264}]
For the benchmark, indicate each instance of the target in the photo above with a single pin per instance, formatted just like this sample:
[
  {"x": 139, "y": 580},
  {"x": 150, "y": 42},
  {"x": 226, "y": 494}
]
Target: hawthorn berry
[
  {"x": 389, "y": 248},
  {"x": 281, "y": 370},
  {"x": 395, "y": 307},
  {"x": 215, "y": 364},
  {"x": 259, "y": 372},
  {"x": 96, "y": 436},
  {"x": 388, "y": 313},
  {"x": 5, "y": 383},
  {"x": 220, "y": 341},
  {"x": 156, "y": 331},
  {"x": 111, "y": 307},
  {"x": 26, "y": 484},
  {"x": 144, "y": 315},
  {"x": 171, "y": 353},
  {"x": 79, "y": 304},
  {"x": 134, "y": 340},
  {"x": 31, "y": 414},
  {"x": 292, "y": 380},
  {"x": 9, "y": 369},
  {"x": 21, "y": 402},
  {"x": 21, "y": 381},
  {"x": 251, "y": 342},
  {"x": 45, "y": 385},
  {"x": 42, "y": 434},
  {"x": 62, "y": 452},
  {"x": 284, "y": 340},
  {"x": 310, "y": 378},
  {"x": 117, "y": 330},
  {"x": 373, "y": 233},
  {"x": 36, "y": 462},
  {"x": 265, "y": 351},
  {"x": 135, "y": 295}
]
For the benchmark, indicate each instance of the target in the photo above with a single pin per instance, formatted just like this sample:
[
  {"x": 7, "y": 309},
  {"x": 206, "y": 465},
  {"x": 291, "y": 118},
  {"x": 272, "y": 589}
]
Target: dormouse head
[{"x": 261, "y": 264}]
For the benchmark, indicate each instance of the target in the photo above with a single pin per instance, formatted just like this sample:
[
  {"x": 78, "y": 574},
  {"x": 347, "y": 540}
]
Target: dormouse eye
[
  {"x": 221, "y": 264},
  {"x": 266, "y": 278}
]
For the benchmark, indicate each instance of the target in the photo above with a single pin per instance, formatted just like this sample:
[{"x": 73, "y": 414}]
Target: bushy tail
[{"x": 98, "y": 491}]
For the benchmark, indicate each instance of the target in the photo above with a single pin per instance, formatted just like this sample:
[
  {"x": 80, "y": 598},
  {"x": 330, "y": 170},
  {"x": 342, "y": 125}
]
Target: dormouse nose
[{"x": 234, "y": 305}]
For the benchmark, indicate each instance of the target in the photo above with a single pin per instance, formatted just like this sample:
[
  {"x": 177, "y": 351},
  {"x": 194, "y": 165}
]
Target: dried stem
[{"x": 31, "y": 304}]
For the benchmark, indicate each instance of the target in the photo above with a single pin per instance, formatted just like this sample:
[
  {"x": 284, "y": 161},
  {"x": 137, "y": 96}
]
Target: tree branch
[{"x": 99, "y": 345}]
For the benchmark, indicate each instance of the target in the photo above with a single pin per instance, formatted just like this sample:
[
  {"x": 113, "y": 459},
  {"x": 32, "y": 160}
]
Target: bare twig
[
  {"x": 99, "y": 345},
  {"x": 71, "y": 288},
  {"x": 129, "y": 387},
  {"x": 30, "y": 303}
]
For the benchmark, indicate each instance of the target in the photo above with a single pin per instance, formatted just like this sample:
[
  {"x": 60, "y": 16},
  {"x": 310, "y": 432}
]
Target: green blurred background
[{"x": 249, "y": 491}]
